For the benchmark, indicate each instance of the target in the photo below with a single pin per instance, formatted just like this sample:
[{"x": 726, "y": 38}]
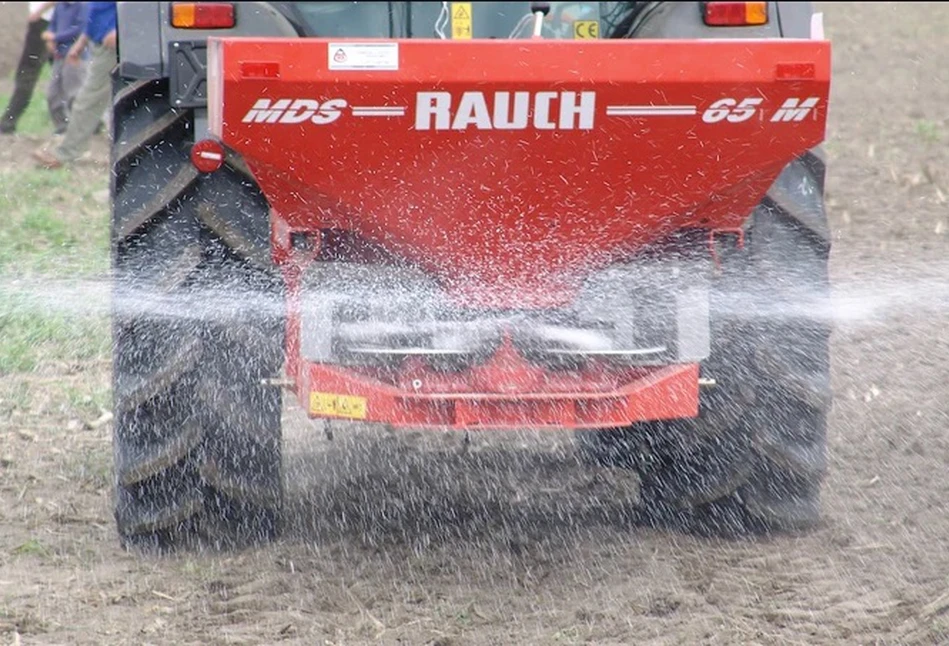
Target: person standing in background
[
  {"x": 95, "y": 95},
  {"x": 31, "y": 63},
  {"x": 67, "y": 23}
]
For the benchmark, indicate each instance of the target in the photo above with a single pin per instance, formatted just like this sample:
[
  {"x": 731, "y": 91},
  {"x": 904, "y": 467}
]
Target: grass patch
[
  {"x": 88, "y": 400},
  {"x": 15, "y": 397},
  {"x": 32, "y": 546},
  {"x": 52, "y": 222},
  {"x": 29, "y": 335},
  {"x": 570, "y": 635},
  {"x": 53, "y": 233},
  {"x": 928, "y": 131},
  {"x": 46, "y": 229}
]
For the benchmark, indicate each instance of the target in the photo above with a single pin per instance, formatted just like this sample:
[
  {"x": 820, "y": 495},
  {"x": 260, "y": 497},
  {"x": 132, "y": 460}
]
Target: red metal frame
[
  {"x": 663, "y": 393},
  {"x": 684, "y": 134},
  {"x": 506, "y": 392}
]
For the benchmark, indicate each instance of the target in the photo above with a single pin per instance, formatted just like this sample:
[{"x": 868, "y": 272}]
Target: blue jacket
[
  {"x": 68, "y": 21},
  {"x": 101, "y": 20}
]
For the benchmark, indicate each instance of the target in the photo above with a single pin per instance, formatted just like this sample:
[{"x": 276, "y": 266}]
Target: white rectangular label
[{"x": 363, "y": 56}]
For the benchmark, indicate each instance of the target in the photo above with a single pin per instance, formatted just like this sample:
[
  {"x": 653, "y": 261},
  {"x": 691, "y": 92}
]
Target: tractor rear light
[
  {"x": 735, "y": 14},
  {"x": 207, "y": 155},
  {"x": 202, "y": 15}
]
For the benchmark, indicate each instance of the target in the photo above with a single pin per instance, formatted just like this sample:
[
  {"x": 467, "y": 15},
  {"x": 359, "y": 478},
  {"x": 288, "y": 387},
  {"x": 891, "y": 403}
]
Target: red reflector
[
  {"x": 202, "y": 15},
  {"x": 207, "y": 155},
  {"x": 722, "y": 14},
  {"x": 260, "y": 70}
]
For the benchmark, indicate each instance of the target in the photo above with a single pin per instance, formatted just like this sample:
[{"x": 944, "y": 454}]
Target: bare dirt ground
[{"x": 389, "y": 544}]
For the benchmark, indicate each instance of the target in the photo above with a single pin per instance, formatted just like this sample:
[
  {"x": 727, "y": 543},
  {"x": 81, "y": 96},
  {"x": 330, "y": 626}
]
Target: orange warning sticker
[{"x": 335, "y": 405}]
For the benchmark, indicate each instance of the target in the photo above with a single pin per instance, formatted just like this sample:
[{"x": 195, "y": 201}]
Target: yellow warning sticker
[
  {"x": 333, "y": 405},
  {"x": 460, "y": 20},
  {"x": 586, "y": 29}
]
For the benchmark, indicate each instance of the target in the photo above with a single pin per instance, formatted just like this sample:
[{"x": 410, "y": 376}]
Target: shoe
[{"x": 47, "y": 160}]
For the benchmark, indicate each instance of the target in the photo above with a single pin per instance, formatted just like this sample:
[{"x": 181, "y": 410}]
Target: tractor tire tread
[
  {"x": 755, "y": 458},
  {"x": 197, "y": 436}
]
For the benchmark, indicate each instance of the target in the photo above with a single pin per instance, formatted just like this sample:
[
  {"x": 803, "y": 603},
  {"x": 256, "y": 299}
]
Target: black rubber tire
[
  {"x": 197, "y": 324},
  {"x": 755, "y": 458}
]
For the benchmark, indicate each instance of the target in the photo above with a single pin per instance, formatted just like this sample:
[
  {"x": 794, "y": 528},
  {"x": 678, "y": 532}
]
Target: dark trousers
[{"x": 32, "y": 59}]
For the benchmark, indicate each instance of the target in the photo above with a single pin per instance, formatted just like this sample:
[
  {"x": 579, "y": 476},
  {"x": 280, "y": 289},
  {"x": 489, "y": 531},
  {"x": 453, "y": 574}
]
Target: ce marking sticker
[{"x": 586, "y": 29}]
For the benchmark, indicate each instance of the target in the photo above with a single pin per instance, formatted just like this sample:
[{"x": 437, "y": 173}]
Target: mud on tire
[
  {"x": 197, "y": 324},
  {"x": 754, "y": 459}
]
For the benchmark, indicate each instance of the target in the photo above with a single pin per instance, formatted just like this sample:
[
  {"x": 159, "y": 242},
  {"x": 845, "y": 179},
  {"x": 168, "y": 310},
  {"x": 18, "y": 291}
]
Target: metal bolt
[{"x": 277, "y": 381}]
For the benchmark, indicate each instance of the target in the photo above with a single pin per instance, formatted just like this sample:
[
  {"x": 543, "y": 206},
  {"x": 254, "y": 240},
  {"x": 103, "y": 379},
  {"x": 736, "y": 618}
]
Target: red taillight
[
  {"x": 721, "y": 14},
  {"x": 207, "y": 155},
  {"x": 202, "y": 15}
]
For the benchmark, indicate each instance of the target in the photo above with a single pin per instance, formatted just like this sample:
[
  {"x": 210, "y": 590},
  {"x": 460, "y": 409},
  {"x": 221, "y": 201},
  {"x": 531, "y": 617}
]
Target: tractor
[{"x": 604, "y": 217}]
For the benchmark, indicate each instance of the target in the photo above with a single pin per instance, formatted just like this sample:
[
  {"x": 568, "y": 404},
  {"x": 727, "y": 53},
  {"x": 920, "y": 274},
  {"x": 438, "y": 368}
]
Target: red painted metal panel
[
  {"x": 647, "y": 394},
  {"x": 681, "y": 133}
]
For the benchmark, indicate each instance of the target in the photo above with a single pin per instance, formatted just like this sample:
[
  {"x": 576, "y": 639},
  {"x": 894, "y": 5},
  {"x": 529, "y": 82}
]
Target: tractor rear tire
[
  {"x": 197, "y": 325},
  {"x": 754, "y": 459}
]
